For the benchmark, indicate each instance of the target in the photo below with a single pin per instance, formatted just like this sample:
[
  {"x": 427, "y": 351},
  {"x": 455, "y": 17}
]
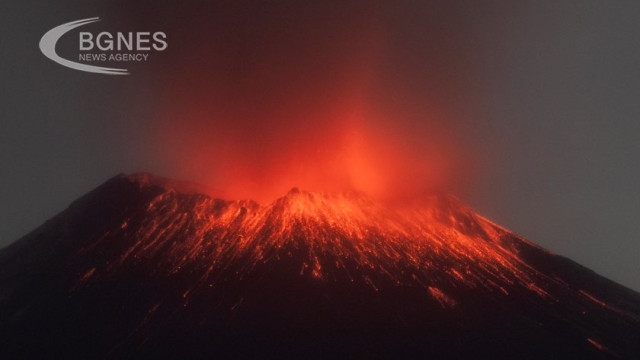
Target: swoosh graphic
[{"x": 48, "y": 48}]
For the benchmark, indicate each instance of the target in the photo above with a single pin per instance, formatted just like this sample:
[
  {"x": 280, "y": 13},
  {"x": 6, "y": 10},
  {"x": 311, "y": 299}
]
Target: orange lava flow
[{"x": 439, "y": 245}]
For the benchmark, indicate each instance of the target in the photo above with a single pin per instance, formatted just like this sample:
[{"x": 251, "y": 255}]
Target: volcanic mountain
[{"x": 142, "y": 267}]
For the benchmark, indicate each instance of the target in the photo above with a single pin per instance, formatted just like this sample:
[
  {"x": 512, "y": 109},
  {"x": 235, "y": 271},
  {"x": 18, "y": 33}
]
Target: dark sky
[{"x": 538, "y": 102}]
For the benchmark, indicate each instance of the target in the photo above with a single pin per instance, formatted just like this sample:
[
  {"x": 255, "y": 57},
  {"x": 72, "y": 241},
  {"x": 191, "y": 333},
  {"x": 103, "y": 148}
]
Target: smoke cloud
[{"x": 259, "y": 98}]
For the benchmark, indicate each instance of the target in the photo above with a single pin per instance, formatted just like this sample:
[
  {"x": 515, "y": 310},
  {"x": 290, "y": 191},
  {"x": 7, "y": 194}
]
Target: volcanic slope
[{"x": 143, "y": 267}]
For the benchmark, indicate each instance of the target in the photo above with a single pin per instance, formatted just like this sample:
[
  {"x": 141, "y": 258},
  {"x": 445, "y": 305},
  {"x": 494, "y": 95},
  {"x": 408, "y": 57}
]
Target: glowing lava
[
  {"x": 143, "y": 267},
  {"x": 440, "y": 245}
]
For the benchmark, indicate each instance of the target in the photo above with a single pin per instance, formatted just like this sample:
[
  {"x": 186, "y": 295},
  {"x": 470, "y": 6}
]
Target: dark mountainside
[{"x": 140, "y": 268}]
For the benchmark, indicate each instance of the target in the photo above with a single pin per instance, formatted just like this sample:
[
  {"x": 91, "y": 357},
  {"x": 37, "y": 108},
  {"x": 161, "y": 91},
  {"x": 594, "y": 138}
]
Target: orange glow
[
  {"x": 438, "y": 245},
  {"x": 597, "y": 345},
  {"x": 347, "y": 153},
  {"x": 311, "y": 110}
]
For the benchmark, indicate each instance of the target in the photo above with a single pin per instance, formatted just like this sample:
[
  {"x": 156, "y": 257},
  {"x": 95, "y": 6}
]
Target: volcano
[{"x": 144, "y": 267}]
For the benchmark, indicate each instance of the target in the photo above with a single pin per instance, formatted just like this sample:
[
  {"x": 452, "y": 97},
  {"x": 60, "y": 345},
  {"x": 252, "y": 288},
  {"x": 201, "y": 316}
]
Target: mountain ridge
[{"x": 200, "y": 263}]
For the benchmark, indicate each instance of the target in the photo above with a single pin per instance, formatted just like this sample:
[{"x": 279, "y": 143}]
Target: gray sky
[{"x": 550, "y": 100}]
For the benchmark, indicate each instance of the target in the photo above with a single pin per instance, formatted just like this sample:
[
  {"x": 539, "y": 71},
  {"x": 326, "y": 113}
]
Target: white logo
[{"x": 107, "y": 46}]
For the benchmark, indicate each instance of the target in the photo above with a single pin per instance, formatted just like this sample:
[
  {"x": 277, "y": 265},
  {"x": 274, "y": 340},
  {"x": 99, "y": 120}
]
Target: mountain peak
[
  {"x": 333, "y": 230},
  {"x": 183, "y": 273},
  {"x": 145, "y": 179}
]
